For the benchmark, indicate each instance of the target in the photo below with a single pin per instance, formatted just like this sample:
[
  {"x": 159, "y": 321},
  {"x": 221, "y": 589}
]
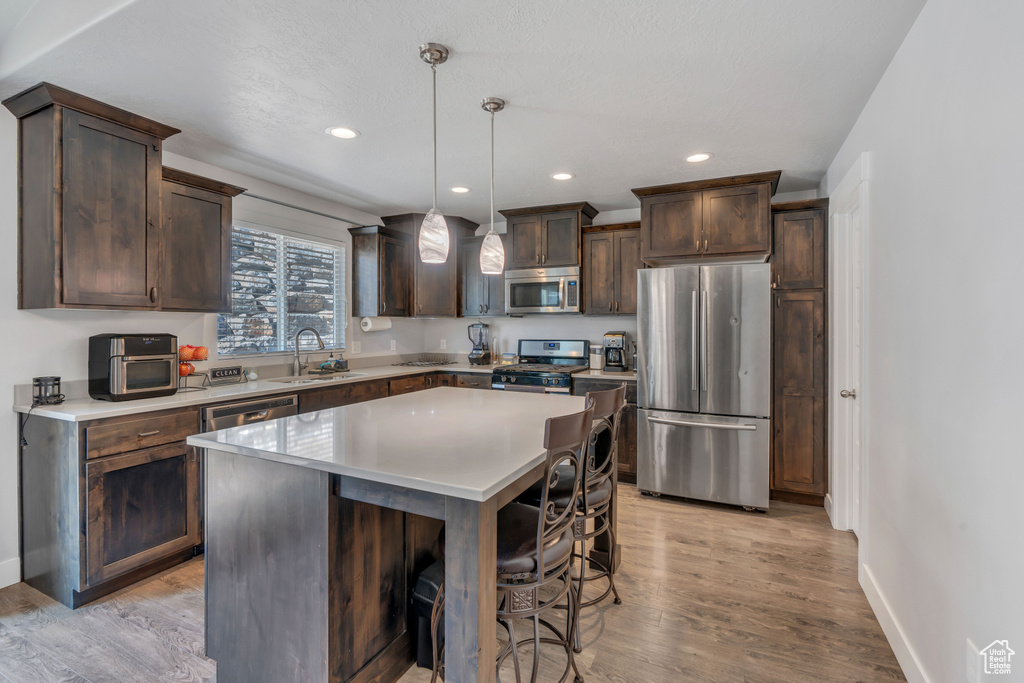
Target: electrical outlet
[
  {"x": 444, "y": 344},
  {"x": 357, "y": 347},
  {"x": 394, "y": 345},
  {"x": 973, "y": 663}
]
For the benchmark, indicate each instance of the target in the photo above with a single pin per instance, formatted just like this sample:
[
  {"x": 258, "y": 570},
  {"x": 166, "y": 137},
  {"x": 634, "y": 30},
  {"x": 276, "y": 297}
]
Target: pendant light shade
[
  {"x": 434, "y": 241},
  {"x": 492, "y": 251},
  {"x": 434, "y": 238}
]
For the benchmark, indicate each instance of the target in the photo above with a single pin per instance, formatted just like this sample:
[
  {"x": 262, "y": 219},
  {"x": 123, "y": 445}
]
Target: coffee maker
[
  {"x": 615, "y": 352},
  {"x": 480, "y": 335}
]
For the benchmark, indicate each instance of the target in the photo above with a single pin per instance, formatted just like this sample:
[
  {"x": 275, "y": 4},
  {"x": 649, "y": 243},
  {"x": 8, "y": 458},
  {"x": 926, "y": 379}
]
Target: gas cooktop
[{"x": 539, "y": 369}]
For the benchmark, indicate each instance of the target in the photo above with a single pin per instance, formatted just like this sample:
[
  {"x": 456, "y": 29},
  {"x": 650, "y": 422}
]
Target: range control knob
[
  {"x": 512, "y": 379},
  {"x": 504, "y": 378}
]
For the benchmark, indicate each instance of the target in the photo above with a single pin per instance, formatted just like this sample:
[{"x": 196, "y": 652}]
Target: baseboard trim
[
  {"x": 10, "y": 572},
  {"x": 905, "y": 655}
]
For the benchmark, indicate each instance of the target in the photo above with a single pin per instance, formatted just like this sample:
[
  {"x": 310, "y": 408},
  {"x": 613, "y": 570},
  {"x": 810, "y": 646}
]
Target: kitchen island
[{"x": 316, "y": 524}]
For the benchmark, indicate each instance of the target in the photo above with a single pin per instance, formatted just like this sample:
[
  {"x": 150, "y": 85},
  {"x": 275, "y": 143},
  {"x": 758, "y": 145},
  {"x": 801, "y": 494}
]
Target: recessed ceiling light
[
  {"x": 695, "y": 158},
  {"x": 562, "y": 176},
  {"x": 460, "y": 190},
  {"x": 344, "y": 133}
]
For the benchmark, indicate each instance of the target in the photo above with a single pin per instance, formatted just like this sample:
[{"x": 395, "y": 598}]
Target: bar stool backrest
[
  {"x": 603, "y": 442},
  {"x": 565, "y": 439}
]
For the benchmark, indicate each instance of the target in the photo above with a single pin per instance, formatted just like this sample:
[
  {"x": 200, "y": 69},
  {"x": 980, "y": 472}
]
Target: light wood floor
[{"x": 709, "y": 594}]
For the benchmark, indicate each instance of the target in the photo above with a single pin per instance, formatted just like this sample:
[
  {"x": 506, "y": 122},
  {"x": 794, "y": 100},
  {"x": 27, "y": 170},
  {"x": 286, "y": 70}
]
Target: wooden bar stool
[{"x": 535, "y": 548}]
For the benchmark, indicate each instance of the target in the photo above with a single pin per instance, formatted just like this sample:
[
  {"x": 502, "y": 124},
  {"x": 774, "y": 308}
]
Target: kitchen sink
[{"x": 317, "y": 379}]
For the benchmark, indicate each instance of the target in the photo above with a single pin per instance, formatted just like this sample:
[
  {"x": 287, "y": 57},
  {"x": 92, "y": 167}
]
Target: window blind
[{"x": 280, "y": 285}]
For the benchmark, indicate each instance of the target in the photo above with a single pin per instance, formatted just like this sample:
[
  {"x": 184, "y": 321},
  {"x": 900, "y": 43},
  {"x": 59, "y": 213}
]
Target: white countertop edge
[
  {"x": 412, "y": 483},
  {"x": 80, "y": 410}
]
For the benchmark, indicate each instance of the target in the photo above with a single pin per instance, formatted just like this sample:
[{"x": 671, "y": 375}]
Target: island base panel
[{"x": 301, "y": 583}]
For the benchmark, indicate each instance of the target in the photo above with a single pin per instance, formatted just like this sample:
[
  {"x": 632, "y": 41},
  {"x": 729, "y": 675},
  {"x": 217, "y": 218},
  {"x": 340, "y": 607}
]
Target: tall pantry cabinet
[{"x": 800, "y": 351}]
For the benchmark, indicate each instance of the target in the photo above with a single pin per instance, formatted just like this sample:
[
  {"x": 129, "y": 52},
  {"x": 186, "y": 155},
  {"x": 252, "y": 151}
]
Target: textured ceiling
[{"x": 618, "y": 93}]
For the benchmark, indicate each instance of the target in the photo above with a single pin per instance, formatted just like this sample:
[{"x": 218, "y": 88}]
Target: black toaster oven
[{"x": 129, "y": 366}]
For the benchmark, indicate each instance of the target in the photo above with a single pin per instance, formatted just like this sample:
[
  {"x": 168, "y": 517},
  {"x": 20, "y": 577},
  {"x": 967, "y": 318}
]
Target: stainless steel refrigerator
[{"x": 704, "y": 382}]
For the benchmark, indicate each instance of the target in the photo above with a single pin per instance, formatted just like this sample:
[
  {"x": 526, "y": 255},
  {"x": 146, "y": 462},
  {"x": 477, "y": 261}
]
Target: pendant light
[
  {"x": 433, "y": 241},
  {"x": 492, "y": 251}
]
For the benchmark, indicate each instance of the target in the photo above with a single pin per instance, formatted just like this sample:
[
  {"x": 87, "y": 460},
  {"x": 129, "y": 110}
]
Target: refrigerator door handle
[
  {"x": 693, "y": 340},
  {"x": 704, "y": 340},
  {"x": 707, "y": 425}
]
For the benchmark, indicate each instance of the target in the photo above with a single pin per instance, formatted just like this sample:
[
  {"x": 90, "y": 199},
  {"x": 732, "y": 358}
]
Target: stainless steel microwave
[
  {"x": 129, "y": 366},
  {"x": 542, "y": 290}
]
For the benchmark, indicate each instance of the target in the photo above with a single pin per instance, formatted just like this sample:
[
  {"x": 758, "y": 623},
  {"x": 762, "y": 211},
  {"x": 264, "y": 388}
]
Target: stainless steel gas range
[{"x": 546, "y": 366}]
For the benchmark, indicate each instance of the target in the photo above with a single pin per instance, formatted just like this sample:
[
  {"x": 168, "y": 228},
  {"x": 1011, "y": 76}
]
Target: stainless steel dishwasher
[
  {"x": 235, "y": 415},
  {"x": 247, "y": 412}
]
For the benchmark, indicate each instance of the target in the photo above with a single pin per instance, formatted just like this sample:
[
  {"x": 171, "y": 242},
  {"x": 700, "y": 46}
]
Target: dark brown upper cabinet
[
  {"x": 799, "y": 252},
  {"x": 89, "y": 181},
  {"x": 722, "y": 218},
  {"x": 196, "y": 234},
  {"x": 435, "y": 286},
  {"x": 546, "y": 236},
  {"x": 381, "y": 272},
  {"x": 483, "y": 296},
  {"x": 611, "y": 257}
]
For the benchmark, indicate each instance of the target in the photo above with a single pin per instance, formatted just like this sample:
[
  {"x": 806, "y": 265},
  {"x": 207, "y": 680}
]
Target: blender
[{"x": 480, "y": 335}]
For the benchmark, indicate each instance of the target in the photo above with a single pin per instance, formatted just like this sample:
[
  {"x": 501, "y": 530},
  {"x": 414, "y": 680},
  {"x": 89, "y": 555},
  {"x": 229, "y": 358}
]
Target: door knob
[{"x": 848, "y": 393}]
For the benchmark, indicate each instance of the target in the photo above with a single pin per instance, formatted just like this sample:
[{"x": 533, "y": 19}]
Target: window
[{"x": 279, "y": 285}]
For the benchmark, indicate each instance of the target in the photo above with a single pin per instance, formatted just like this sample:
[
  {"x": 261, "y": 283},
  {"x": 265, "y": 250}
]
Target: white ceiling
[{"x": 617, "y": 92}]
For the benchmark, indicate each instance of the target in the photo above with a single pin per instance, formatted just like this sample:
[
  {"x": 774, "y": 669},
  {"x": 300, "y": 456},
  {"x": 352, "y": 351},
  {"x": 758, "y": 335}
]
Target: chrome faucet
[{"x": 298, "y": 367}]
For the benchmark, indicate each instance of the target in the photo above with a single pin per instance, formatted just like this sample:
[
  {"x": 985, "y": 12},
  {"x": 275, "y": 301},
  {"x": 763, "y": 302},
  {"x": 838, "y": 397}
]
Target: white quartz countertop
[
  {"x": 82, "y": 409},
  {"x": 467, "y": 443}
]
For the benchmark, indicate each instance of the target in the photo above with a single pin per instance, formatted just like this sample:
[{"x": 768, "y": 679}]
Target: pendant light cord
[
  {"x": 433, "y": 68},
  {"x": 492, "y": 171}
]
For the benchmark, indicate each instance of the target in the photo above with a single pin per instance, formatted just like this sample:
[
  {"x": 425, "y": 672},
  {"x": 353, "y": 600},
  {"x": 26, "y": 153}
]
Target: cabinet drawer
[
  {"x": 404, "y": 385},
  {"x": 111, "y": 438},
  {"x": 474, "y": 381}
]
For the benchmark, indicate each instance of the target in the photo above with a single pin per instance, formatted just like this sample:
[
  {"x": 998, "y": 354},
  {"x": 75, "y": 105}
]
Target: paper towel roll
[{"x": 375, "y": 324}]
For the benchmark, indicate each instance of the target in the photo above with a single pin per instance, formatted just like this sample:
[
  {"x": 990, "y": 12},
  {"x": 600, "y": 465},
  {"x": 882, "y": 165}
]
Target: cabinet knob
[
  {"x": 848, "y": 393},
  {"x": 705, "y": 246},
  {"x": 152, "y": 294},
  {"x": 611, "y": 306}
]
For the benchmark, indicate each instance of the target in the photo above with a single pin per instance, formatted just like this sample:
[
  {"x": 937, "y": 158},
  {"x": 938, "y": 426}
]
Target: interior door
[
  {"x": 667, "y": 338},
  {"x": 735, "y": 303}
]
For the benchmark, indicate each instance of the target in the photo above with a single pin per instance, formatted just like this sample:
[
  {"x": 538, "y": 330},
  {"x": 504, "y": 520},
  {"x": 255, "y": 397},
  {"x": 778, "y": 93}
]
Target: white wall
[{"x": 942, "y": 539}]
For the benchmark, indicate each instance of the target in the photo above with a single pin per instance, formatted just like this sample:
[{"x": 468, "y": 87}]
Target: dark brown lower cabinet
[
  {"x": 405, "y": 385},
  {"x": 627, "y": 425},
  {"x": 142, "y": 506},
  {"x": 342, "y": 395},
  {"x": 799, "y": 412},
  {"x": 472, "y": 380}
]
